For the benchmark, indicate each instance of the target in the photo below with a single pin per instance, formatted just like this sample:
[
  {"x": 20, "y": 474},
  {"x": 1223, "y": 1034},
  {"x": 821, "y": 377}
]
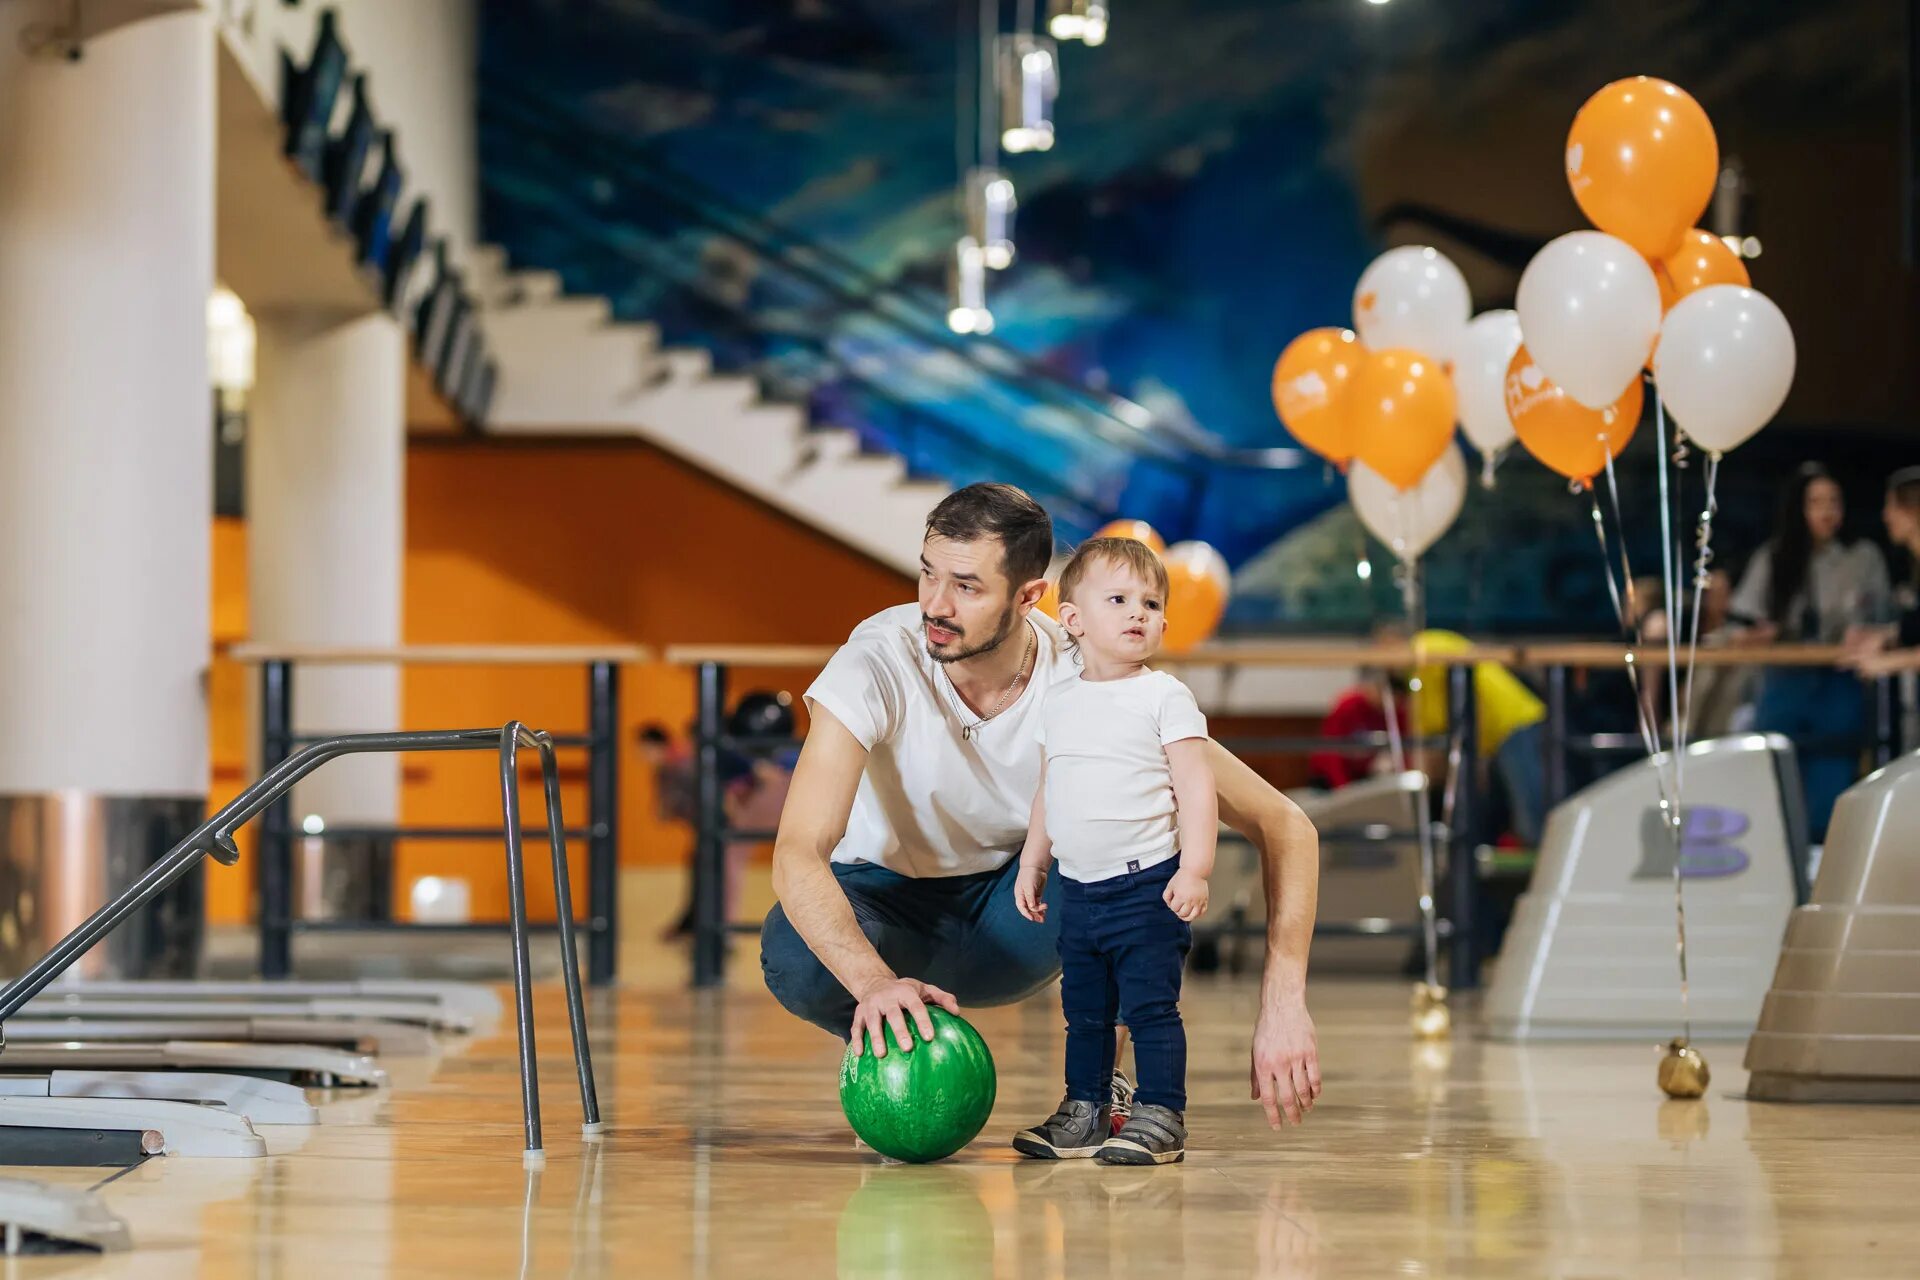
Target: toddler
[{"x": 1126, "y": 803}]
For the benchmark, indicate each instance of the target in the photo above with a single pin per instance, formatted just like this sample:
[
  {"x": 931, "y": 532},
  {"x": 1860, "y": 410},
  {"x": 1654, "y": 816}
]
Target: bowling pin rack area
[{"x": 1551, "y": 668}]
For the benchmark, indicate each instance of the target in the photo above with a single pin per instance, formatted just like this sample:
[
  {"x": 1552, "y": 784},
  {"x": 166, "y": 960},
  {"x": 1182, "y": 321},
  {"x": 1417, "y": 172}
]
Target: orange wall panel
[{"x": 593, "y": 543}]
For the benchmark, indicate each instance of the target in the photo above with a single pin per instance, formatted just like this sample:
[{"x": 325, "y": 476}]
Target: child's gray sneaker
[
  {"x": 1074, "y": 1132},
  {"x": 1152, "y": 1135}
]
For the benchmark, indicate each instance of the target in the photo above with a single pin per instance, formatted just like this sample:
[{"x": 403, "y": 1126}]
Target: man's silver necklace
[{"x": 972, "y": 731}]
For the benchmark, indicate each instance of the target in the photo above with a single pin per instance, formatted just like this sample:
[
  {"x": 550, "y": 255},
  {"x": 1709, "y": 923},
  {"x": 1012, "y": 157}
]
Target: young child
[{"x": 1126, "y": 803}]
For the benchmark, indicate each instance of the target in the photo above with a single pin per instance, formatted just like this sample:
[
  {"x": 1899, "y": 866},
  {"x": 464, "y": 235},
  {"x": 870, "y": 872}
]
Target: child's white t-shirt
[{"x": 1109, "y": 803}]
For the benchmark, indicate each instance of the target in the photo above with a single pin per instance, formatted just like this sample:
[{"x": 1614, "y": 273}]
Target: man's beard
[{"x": 1001, "y": 633}]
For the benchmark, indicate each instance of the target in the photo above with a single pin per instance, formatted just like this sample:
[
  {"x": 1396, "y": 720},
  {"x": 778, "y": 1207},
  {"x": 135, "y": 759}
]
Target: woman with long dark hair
[{"x": 1809, "y": 585}]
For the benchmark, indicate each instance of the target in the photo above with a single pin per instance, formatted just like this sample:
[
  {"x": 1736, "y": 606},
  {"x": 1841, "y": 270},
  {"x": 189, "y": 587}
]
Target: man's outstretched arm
[
  {"x": 825, "y": 780},
  {"x": 1285, "y": 1071}
]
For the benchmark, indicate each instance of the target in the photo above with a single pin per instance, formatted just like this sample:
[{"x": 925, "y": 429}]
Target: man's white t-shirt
[
  {"x": 932, "y": 801},
  {"x": 1110, "y": 803}
]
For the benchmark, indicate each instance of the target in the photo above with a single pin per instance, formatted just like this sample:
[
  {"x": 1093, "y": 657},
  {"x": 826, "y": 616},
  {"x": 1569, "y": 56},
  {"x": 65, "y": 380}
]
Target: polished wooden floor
[{"x": 728, "y": 1157}]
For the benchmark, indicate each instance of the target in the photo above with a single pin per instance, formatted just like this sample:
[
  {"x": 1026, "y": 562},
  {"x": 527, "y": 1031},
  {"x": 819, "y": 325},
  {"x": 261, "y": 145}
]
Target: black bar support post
[
  {"x": 1886, "y": 721},
  {"x": 603, "y": 822},
  {"x": 710, "y": 845},
  {"x": 1463, "y": 955},
  {"x": 276, "y": 827},
  {"x": 1556, "y": 745}
]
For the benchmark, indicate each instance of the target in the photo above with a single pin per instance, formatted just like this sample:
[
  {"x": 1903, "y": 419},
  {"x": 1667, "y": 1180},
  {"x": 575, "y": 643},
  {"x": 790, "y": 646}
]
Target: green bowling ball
[{"x": 922, "y": 1105}]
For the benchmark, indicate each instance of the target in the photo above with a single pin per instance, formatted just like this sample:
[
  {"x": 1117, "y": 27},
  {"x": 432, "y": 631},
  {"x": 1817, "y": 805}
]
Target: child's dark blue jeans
[{"x": 1121, "y": 952}]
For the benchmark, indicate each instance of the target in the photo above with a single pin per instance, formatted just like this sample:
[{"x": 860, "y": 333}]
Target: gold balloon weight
[
  {"x": 1683, "y": 1072},
  {"x": 1430, "y": 1018}
]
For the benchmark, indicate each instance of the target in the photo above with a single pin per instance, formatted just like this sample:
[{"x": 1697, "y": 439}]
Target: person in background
[
  {"x": 672, "y": 766},
  {"x": 1810, "y": 585},
  {"x": 1355, "y": 711},
  {"x": 753, "y": 783},
  {"x": 1511, "y": 720},
  {"x": 1901, "y": 512}
]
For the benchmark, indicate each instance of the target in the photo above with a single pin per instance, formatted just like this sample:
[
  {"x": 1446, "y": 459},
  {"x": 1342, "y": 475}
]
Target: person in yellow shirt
[{"x": 1511, "y": 721}]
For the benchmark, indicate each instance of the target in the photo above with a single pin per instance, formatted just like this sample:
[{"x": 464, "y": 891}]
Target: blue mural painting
[{"x": 775, "y": 181}]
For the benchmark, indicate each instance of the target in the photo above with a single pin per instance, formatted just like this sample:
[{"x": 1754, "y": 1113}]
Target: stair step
[
  {"x": 574, "y": 311},
  {"x": 689, "y": 364},
  {"x": 522, "y": 289},
  {"x": 830, "y": 444},
  {"x": 486, "y": 267}
]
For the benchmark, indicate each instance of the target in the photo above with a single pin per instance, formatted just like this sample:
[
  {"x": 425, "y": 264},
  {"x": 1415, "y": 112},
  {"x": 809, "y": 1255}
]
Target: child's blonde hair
[{"x": 1128, "y": 553}]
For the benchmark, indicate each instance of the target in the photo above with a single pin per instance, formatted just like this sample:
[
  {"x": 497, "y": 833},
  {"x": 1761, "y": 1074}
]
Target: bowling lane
[{"x": 729, "y": 1157}]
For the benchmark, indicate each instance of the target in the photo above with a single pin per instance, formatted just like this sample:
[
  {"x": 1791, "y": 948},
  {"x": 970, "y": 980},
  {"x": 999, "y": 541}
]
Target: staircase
[
  {"x": 567, "y": 368},
  {"x": 795, "y": 372}
]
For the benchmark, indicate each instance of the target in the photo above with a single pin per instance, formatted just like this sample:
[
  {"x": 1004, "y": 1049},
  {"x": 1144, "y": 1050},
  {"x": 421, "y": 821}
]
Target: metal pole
[
  {"x": 1556, "y": 735},
  {"x": 569, "y": 956},
  {"x": 603, "y": 822},
  {"x": 1463, "y": 956},
  {"x": 276, "y": 827},
  {"x": 1886, "y": 722},
  {"x": 710, "y": 844},
  {"x": 517, "y": 918}
]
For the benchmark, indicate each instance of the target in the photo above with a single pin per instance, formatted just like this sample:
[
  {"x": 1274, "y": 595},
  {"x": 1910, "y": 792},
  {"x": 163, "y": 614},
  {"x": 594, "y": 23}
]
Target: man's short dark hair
[{"x": 999, "y": 511}]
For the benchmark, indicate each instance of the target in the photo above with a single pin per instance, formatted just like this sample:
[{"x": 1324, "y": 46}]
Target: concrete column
[
  {"x": 106, "y": 261},
  {"x": 326, "y": 454}
]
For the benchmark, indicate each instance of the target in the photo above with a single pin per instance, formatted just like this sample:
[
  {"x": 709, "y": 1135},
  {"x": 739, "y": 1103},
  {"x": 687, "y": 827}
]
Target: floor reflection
[{"x": 727, "y": 1156}]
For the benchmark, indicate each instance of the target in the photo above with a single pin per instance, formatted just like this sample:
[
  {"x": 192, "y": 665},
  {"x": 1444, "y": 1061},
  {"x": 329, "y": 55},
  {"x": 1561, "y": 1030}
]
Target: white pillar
[
  {"x": 106, "y": 261},
  {"x": 326, "y": 453}
]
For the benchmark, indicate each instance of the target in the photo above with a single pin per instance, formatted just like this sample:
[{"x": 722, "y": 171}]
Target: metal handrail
[{"x": 214, "y": 837}]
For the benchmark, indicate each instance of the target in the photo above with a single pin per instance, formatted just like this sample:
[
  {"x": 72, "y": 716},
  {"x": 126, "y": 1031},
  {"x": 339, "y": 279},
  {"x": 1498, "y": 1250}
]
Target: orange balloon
[
  {"x": 1702, "y": 259},
  {"x": 1196, "y": 597},
  {"x": 1138, "y": 530},
  {"x": 1642, "y": 161},
  {"x": 1310, "y": 383},
  {"x": 1402, "y": 405},
  {"x": 1560, "y": 431},
  {"x": 1050, "y": 601}
]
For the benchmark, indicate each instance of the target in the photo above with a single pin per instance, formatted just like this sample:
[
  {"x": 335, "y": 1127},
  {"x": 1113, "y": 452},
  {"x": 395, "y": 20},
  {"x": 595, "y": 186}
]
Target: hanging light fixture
[
  {"x": 967, "y": 289},
  {"x": 230, "y": 341},
  {"x": 990, "y": 207},
  {"x": 1731, "y": 213},
  {"x": 1029, "y": 80},
  {"x": 1084, "y": 20}
]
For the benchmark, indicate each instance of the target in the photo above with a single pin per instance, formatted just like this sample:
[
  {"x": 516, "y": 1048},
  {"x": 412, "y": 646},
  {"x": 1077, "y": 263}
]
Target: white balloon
[
  {"x": 1410, "y": 522},
  {"x": 1412, "y": 297},
  {"x": 1590, "y": 309},
  {"x": 1724, "y": 364},
  {"x": 1203, "y": 557},
  {"x": 1480, "y": 378}
]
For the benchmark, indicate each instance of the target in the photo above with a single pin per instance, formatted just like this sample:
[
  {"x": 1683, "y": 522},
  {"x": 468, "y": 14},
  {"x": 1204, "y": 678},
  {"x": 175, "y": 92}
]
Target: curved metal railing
[{"x": 214, "y": 838}]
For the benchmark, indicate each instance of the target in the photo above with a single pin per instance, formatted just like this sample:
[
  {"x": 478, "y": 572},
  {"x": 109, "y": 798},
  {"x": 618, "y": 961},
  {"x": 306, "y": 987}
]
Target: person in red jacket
[{"x": 1355, "y": 711}]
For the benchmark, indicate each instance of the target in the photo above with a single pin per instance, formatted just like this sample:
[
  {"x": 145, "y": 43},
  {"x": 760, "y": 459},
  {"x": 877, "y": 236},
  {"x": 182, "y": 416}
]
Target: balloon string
[
  {"x": 1648, "y": 737},
  {"x": 1423, "y": 825},
  {"x": 1702, "y": 570},
  {"x": 1642, "y": 711},
  {"x": 1669, "y": 553}
]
